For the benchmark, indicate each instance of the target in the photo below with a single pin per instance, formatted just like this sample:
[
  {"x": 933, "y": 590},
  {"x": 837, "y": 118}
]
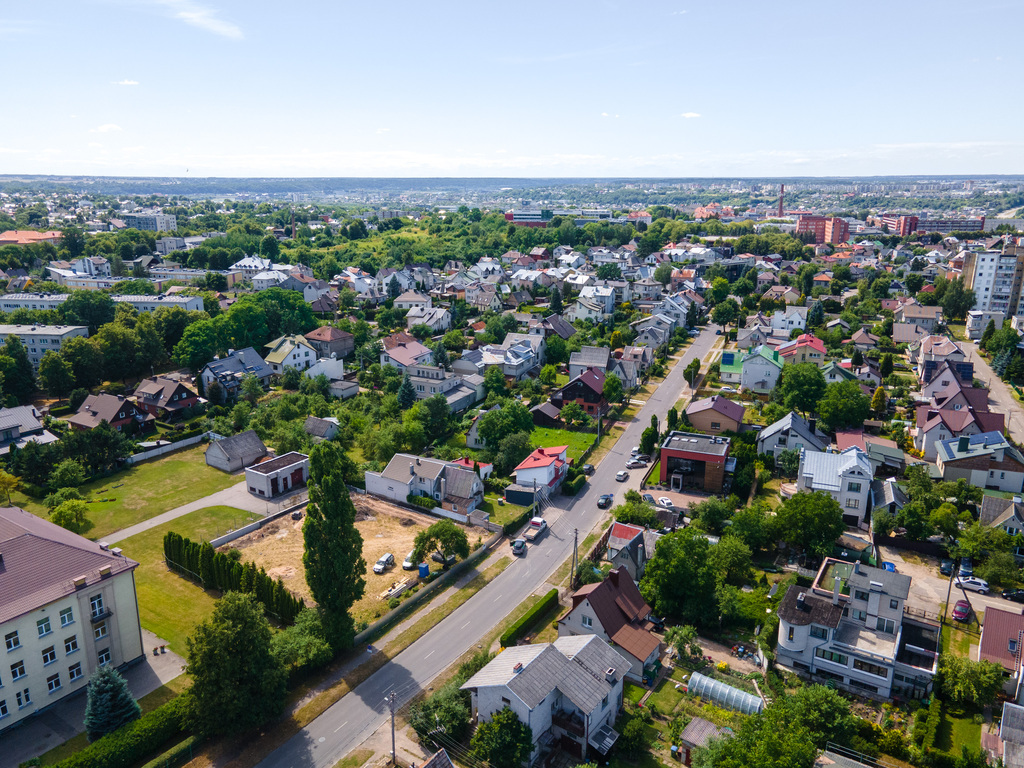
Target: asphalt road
[
  {"x": 355, "y": 717},
  {"x": 1001, "y": 400}
]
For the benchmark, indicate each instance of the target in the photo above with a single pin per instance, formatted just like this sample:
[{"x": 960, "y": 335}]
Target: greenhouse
[{"x": 723, "y": 695}]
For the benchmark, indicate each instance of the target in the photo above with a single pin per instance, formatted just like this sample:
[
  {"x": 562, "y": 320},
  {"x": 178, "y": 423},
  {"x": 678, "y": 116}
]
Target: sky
[{"x": 533, "y": 89}]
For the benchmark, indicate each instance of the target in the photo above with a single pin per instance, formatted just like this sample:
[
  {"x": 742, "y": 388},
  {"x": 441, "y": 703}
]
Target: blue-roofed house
[
  {"x": 845, "y": 476},
  {"x": 987, "y": 460}
]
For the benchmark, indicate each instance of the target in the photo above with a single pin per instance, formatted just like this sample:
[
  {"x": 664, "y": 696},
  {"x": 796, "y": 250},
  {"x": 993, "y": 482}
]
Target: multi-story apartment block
[
  {"x": 826, "y": 229},
  {"x": 996, "y": 278},
  {"x": 69, "y": 608},
  {"x": 40, "y": 339},
  {"x": 13, "y": 301},
  {"x": 151, "y": 222}
]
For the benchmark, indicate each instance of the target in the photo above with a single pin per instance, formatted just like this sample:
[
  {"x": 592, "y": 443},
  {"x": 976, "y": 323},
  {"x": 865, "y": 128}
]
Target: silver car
[{"x": 972, "y": 583}]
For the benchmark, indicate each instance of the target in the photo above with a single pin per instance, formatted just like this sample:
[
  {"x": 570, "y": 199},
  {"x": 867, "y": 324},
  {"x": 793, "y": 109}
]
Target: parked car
[
  {"x": 635, "y": 464},
  {"x": 718, "y": 332},
  {"x": 622, "y": 475},
  {"x": 973, "y": 583},
  {"x": 409, "y": 564},
  {"x": 519, "y": 547},
  {"x": 648, "y": 498},
  {"x": 962, "y": 610},
  {"x": 946, "y": 567},
  {"x": 588, "y": 469},
  {"x": 1016, "y": 595},
  {"x": 730, "y": 390},
  {"x": 635, "y": 451},
  {"x": 666, "y": 502},
  {"x": 387, "y": 560},
  {"x": 658, "y": 624},
  {"x": 605, "y": 501},
  {"x": 297, "y": 514},
  {"x": 966, "y": 567},
  {"x": 448, "y": 562},
  {"x": 644, "y": 458}
]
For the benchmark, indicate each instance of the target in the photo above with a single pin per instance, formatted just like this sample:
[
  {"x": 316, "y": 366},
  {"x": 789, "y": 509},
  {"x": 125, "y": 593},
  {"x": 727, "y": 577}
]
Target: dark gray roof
[
  {"x": 318, "y": 427},
  {"x": 459, "y": 482},
  {"x": 1012, "y": 727},
  {"x": 995, "y": 509},
  {"x": 240, "y": 362},
  {"x": 811, "y": 610},
  {"x": 242, "y": 445},
  {"x": 883, "y": 494},
  {"x": 894, "y": 584},
  {"x": 696, "y": 443},
  {"x": 592, "y": 357},
  {"x": 404, "y": 465},
  {"x": 801, "y": 426},
  {"x": 281, "y": 462},
  {"x": 25, "y": 417}
]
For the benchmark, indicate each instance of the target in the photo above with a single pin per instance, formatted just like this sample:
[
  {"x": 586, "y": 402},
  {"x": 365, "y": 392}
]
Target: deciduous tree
[
  {"x": 444, "y": 537},
  {"x": 811, "y": 520},
  {"x": 679, "y": 581},
  {"x": 504, "y": 741},
  {"x": 56, "y": 375},
  {"x": 801, "y": 386},
  {"x": 843, "y": 405}
]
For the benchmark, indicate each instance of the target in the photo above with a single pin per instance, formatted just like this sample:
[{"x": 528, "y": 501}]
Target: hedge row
[
  {"x": 177, "y": 437},
  {"x": 179, "y": 754},
  {"x": 421, "y": 501},
  {"x": 124, "y": 747},
  {"x": 215, "y": 570},
  {"x": 528, "y": 619},
  {"x": 61, "y": 410},
  {"x": 516, "y": 523},
  {"x": 926, "y": 726},
  {"x": 572, "y": 487}
]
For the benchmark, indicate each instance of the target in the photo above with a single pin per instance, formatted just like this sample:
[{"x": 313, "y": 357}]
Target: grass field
[
  {"x": 957, "y": 730},
  {"x": 578, "y": 442},
  {"x": 143, "y": 491},
  {"x": 170, "y": 606},
  {"x": 503, "y": 513}
]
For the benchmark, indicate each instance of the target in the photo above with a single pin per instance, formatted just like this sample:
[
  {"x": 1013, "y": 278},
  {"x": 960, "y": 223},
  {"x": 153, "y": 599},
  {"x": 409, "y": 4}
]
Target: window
[
  {"x": 96, "y": 605},
  {"x": 894, "y": 604},
  {"x": 49, "y": 655},
  {"x": 75, "y": 671},
  {"x": 790, "y": 633},
  {"x": 23, "y": 698},
  {"x": 3, "y": 708},
  {"x": 885, "y": 625},
  {"x": 17, "y": 670},
  {"x": 853, "y": 487},
  {"x": 853, "y": 503},
  {"x": 716, "y": 425},
  {"x": 1011, "y": 646},
  {"x": 872, "y": 669},
  {"x": 835, "y": 658},
  {"x": 819, "y": 632},
  {"x": 860, "y": 594},
  {"x": 43, "y": 625},
  {"x": 103, "y": 657},
  {"x": 71, "y": 644},
  {"x": 67, "y": 616},
  {"x": 587, "y": 621},
  {"x": 12, "y": 641},
  {"x": 53, "y": 683},
  {"x": 99, "y": 631},
  {"x": 861, "y": 615},
  {"x": 604, "y": 702}
]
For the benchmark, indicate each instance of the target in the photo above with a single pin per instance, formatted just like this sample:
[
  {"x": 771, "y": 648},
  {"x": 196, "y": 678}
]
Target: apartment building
[
  {"x": 40, "y": 339},
  {"x": 151, "y": 222},
  {"x": 826, "y": 229},
  {"x": 996, "y": 278}
]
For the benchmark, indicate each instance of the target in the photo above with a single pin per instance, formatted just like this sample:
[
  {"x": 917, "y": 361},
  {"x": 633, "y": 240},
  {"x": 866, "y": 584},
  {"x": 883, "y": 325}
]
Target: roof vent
[
  {"x": 801, "y": 599},
  {"x": 79, "y": 582},
  {"x": 104, "y": 546},
  {"x": 876, "y": 586},
  {"x": 116, "y": 551},
  {"x": 105, "y": 570}
]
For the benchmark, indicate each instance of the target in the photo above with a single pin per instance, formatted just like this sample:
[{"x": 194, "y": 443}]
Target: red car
[{"x": 962, "y": 610}]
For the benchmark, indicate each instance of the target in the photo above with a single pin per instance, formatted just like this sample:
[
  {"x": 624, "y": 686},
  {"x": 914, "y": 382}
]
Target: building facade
[{"x": 40, "y": 339}]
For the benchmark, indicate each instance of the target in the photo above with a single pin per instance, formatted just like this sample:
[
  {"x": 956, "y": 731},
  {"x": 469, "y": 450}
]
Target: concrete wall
[{"x": 165, "y": 449}]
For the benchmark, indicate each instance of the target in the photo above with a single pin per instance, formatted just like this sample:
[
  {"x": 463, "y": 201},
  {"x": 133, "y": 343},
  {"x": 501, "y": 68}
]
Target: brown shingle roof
[
  {"x": 328, "y": 333},
  {"x": 811, "y": 610},
  {"x": 620, "y": 608}
]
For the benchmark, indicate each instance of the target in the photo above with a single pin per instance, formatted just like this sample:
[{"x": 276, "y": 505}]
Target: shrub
[
  {"x": 125, "y": 747},
  {"x": 572, "y": 487},
  {"x": 179, "y": 754},
  {"x": 528, "y": 619},
  {"x": 421, "y": 501},
  {"x": 516, "y": 523}
]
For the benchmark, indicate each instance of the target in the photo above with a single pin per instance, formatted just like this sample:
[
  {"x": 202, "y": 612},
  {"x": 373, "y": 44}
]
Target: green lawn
[
  {"x": 170, "y": 605},
  {"x": 144, "y": 491},
  {"x": 578, "y": 442},
  {"x": 956, "y": 641},
  {"x": 957, "y": 730},
  {"x": 503, "y": 513},
  {"x": 634, "y": 692},
  {"x": 666, "y": 696}
]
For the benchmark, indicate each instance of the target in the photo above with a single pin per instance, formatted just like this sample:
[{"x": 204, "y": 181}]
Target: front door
[{"x": 273, "y": 486}]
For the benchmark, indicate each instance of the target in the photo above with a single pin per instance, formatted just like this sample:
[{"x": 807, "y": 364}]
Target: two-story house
[
  {"x": 544, "y": 468},
  {"x": 290, "y": 352},
  {"x": 328, "y": 340},
  {"x": 569, "y": 691},
  {"x": 760, "y": 369},
  {"x": 790, "y": 319},
  {"x": 805, "y": 348},
  {"x": 586, "y": 389},
  {"x": 402, "y": 350},
  {"x": 715, "y": 414},
  {"x": 615, "y": 611},
  {"x": 845, "y": 476},
  {"x": 596, "y": 358},
  {"x": 164, "y": 397},
  {"x": 791, "y": 433},
  {"x": 456, "y": 490},
  {"x": 122, "y": 414},
  {"x": 230, "y": 370},
  {"x": 22, "y": 425},
  {"x": 986, "y": 460}
]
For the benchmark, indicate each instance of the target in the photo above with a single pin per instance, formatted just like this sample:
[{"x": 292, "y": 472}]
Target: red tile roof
[{"x": 544, "y": 457}]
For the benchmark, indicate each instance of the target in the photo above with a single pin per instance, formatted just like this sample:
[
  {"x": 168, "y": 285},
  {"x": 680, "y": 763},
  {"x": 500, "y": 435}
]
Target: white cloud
[
  {"x": 604, "y": 114},
  {"x": 106, "y": 128},
  {"x": 677, "y": 13},
  {"x": 127, "y": 82},
  {"x": 382, "y": 130},
  {"x": 202, "y": 18},
  {"x": 690, "y": 115}
]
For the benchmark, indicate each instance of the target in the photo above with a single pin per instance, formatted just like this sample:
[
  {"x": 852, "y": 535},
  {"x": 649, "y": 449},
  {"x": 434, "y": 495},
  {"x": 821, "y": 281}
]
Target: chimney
[
  {"x": 609, "y": 674},
  {"x": 837, "y": 585},
  {"x": 800, "y": 601},
  {"x": 812, "y": 423},
  {"x": 963, "y": 444}
]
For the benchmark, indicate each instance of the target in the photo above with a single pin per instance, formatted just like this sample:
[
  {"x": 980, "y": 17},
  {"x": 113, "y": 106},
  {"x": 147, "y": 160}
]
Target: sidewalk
[
  {"x": 236, "y": 496},
  {"x": 64, "y": 720}
]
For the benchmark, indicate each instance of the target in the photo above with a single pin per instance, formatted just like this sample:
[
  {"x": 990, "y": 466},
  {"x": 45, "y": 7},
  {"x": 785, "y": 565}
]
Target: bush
[
  {"x": 572, "y": 487},
  {"x": 179, "y": 754},
  {"x": 515, "y": 524},
  {"x": 528, "y": 619},
  {"x": 62, "y": 410},
  {"x": 926, "y": 724},
  {"x": 126, "y": 746},
  {"x": 421, "y": 501}
]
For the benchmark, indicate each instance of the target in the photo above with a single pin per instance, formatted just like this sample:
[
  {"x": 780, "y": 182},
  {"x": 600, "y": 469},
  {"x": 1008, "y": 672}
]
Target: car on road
[
  {"x": 409, "y": 564},
  {"x": 622, "y": 476},
  {"x": 519, "y": 547},
  {"x": 946, "y": 567},
  {"x": 666, "y": 502},
  {"x": 962, "y": 610},
  {"x": 718, "y": 332},
  {"x": 1016, "y": 595},
  {"x": 730, "y": 390},
  {"x": 972, "y": 583},
  {"x": 635, "y": 464},
  {"x": 588, "y": 469},
  {"x": 605, "y": 501},
  {"x": 648, "y": 498},
  {"x": 387, "y": 560}
]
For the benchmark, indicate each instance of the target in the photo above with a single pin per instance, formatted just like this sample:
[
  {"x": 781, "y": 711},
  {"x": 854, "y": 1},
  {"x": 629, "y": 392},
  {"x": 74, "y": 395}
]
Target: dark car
[
  {"x": 437, "y": 557},
  {"x": 644, "y": 458},
  {"x": 966, "y": 567},
  {"x": 658, "y": 624},
  {"x": 1016, "y": 595},
  {"x": 946, "y": 567},
  {"x": 648, "y": 498},
  {"x": 519, "y": 547},
  {"x": 588, "y": 469},
  {"x": 962, "y": 610},
  {"x": 604, "y": 501}
]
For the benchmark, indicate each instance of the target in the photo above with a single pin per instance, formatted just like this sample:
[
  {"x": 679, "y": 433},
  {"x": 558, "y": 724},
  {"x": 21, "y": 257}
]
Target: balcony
[
  {"x": 570, "y": 722},
  {"x": 98, "y": 616}
]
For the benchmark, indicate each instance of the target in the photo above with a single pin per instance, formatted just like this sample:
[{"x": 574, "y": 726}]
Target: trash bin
[{"x": 424, "y": 570}]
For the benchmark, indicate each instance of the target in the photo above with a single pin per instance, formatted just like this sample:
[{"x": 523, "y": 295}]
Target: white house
[
  {"x": 602, "y": 295},
  {"x": 585, "y": 309},
  {"x": 845, "y": 476},
  {"x": 545, "y": 467},
  {"x": 761, "y": 369},
  {"x": 456, "y": 490},
  {"x": 290, "y": 352},
  {"x": 791, "y": 433},
  {"x": 413, "y": 300},
  {"x": 437, "y": 319},
  {"x": 276, "y": 476},
  {"x": 790, "y": 318}
]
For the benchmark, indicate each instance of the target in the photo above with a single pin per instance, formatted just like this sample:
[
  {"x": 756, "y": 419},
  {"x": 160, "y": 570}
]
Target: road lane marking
[
  {"x": 496, "y": 599},
  {"x": 429, "y": 654},
  {"x": 469, "y": 622},
  {"x": 341, "y": 726}
]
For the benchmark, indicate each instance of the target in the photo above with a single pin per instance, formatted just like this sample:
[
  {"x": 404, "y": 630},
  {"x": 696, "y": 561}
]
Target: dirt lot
[{"x": 278, "y": 547}]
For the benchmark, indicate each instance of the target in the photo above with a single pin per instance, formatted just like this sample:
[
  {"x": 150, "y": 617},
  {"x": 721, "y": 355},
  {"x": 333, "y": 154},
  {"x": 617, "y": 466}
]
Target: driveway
[{"x": 1002, "y": 400}]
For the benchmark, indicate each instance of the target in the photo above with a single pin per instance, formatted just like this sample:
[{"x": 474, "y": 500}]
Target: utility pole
[
  {"x": 391, "y": 706},
  {"x": 575, "y": 556}
]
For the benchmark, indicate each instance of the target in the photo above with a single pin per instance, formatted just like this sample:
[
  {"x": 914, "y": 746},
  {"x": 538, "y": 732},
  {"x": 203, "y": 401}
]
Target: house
[
  {"x": 460, "y": 391},
  {"x": 648, "y": 288},
  {"x": 934, "y": 377},
  {"x": 333, "y": 369},
  {"x": 589, "y": 358},
  {"x": 845, "y": 476},
  {"x": 164, "y": 397},
  {"x": 760, "y": 369},
  {"x": 791, "y": 433},
  {"x": 716, "y": 414},
  {"x": 586, "y": 389},
  {"x": 230, "y": 370},
  {"x": 641, "y": 356},
  {"x": 402, "y": 350},
  {"x": 805, "y": 348},
  {"x": 926, "y": 317},
  {"x": 855, "y": 635},
  {"x": 614, "y": 610},
  {"x": 986, "y": 460},
  {"x": 552, "y": 325},
  {"x": 790, "y": 319},
  {"x": 1010, "y": 748},
  {"x": 69, "y": 607},
  {"x": 863, "y": 340},
  {"x": 785, "y": 293},
  {"x": 697, "y": 733},
  {"x": 290, "y": 352},
  {"x": 279, "y": 475},
  {"x": 752, "y": 337},
  {"x": 1001, "y": 638},
  {"x": 953, "y": 416},
  {"x": 585, "y": 309},
  {"x": 321, "y": 429},
  {"x": 701, "y": 462},
  {"x": 978, "y": 320},
  {"x": 626, "y": 372},
  {"x": 834, "y": 371},
  {"x": 936, "y": 349},
  {"x": 887, "y": 495},
  {"x": 569, "y": 692},
  {"x": 473, "y": 437},
  {"x": 1007, "y": 514},
  {"x": 546, "y": 415},
  {"x": 328, "y": 340},
  {"x": 437, "y": 319},
  {"x": 630, "y": 547},
  {"x": 544, "y": 468},
  {"x": 236, "y": 452},
  {"x": 122, "y": 414},
  {"x": 456, "y": 490},
  {"x": 20, "y": 426},
  {"x": 413, "y": 300},
  {"x": 907, "y": 333}
]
